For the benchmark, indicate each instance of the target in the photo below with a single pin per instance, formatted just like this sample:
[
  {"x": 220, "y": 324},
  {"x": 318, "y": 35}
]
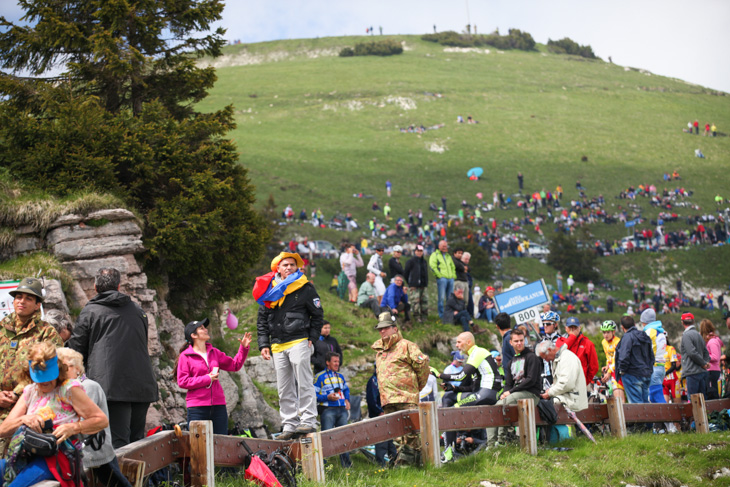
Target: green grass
[
  {"x": 647, "y": 460},
  {"x": 538, "y": 112}
]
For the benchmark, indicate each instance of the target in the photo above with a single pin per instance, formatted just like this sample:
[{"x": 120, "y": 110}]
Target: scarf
[{"x": 269, "y": 292}]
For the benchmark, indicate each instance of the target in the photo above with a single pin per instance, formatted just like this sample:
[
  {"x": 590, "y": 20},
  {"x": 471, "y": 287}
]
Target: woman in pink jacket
[
  {"x": 714, "y": 347},
  {"x": 197, "y": 371}
]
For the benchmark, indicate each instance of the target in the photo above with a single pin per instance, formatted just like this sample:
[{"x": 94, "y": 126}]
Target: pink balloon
[
  {"x": 231, "y": 320},
  {"x": 479, "y": 195}
]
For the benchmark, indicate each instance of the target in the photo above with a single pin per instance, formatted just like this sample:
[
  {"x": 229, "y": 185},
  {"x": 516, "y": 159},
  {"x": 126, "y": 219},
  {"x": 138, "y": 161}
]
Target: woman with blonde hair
[
  {"x": 714, "y": 347},
  {"x": 101, "y": 459},
  {"x": 52, "y": 403}
]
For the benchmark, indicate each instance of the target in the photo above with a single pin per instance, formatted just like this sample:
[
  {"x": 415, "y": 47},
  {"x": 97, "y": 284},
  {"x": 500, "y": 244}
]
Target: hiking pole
[{"x": 579, "y": 423}]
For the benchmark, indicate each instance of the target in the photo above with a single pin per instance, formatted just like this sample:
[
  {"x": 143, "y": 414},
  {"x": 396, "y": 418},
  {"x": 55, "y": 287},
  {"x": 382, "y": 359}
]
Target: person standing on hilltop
[
  {"x": 388, "y": 187},
  {"x": 521, "y": 181}
]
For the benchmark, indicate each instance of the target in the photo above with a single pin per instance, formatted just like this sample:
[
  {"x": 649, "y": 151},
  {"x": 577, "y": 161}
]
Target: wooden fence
[{"x": 205, "y": 450}]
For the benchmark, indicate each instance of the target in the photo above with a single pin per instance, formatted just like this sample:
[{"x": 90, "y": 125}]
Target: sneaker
[
  {"x": 286, "y": 436},
  {"x": 304, "y": 429}
]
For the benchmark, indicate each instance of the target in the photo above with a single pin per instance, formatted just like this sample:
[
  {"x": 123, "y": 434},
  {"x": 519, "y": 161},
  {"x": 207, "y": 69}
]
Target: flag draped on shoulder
[{"x": 270, "y": 293}]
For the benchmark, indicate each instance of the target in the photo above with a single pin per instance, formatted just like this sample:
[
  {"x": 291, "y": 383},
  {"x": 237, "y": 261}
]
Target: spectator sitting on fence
[{"x": 522, "y": 381}]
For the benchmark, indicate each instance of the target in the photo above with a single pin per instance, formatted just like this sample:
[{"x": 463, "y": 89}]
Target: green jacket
[
  {"x": 442, "y": 265},
  {"x": 402, "y": 370}
]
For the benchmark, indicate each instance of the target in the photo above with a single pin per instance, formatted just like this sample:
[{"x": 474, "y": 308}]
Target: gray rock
[
  {"x": 81, "y": 231},
  {"x": 262, "y": 371},
  {"x": 98, "y": 247},
  {"x": 26, "y": 244}
]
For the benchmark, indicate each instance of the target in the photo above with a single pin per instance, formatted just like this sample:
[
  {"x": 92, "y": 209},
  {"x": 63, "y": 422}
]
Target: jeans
[
  {"x": 657, "y": 375},
  {"x": 35, "y": 471},
  {"x": 127, "y": 421},
  {"x": 333, "y": 417},
  {"x": 697, "y": 384},
  {"x": 217, "y": 414},
  {"x": 488, "y": 314},
  {"x": 464, "y": 318},
  {"x": 636, "y": 388},
  {"x": 445, "y": 287}
]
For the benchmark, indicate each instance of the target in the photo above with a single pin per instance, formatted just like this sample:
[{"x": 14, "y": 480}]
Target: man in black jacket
[
  {"x": 522, "y": 380},
  {"x": 111, "y": 334},
  {"x": 326, "y": 343},
  {"x": 395, "y": 268},
  {"x": 287, "y": 326},
  {"x": 416, "y": 275},
  {"x": 634, "y": 361}
]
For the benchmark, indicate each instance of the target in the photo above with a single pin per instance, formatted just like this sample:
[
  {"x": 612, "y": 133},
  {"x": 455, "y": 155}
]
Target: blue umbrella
[{"x": 474, "y": 171}]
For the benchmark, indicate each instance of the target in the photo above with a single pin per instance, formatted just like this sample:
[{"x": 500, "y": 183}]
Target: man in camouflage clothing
[
  {"x": 20, "y": 331},
  {"x": 402, "y": 371}
]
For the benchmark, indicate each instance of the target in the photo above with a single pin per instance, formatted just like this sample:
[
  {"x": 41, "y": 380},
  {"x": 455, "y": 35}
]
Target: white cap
[{"x": 397, "y": 248}]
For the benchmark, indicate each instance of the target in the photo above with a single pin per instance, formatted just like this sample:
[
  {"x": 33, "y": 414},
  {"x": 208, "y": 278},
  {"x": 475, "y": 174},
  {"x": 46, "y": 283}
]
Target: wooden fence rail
[{"x": 162, "y": 449}]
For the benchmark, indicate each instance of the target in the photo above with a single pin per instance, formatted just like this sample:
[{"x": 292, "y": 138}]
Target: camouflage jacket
[
  {"x": 15, "y": 343},
  {"x": 402, "y": 369}
]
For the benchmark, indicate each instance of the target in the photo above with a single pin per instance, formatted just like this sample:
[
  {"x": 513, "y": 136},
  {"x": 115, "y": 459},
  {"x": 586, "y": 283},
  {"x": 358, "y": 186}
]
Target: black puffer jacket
[
  {"x": 111, "y": 334},
  {"x": 300, "y": 316}
]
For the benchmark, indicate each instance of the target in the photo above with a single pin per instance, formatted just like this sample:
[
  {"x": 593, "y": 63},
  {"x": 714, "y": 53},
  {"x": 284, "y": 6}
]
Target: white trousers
[{"x": 295, "y": 383}]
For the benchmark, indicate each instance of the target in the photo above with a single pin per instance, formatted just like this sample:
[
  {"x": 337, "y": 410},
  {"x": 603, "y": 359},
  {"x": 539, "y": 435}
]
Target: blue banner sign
[{"x": 522, "y": 298}]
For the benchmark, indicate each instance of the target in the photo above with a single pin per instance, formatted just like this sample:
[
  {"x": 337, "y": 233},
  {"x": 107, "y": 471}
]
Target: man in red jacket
[{"x": 580, "y": 345}]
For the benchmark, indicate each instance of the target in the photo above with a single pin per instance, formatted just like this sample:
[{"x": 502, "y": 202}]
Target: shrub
[
  {"x": 568, "y": 259},
  {"x": 568, "y": 46},
  {"x": 347, "y": 52},
  {"x": 516, "y": 39},
  {"x": 387, "y": 47}
]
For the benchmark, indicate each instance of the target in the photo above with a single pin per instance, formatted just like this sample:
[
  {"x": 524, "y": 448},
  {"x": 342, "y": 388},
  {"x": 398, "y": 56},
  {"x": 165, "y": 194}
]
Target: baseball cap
[
  {"x": 419, "y": 247},
  {"x": 572, "y": 321},
  {"x": 379, "y": 246},
  {"x": 688, "y": 317},
  {"x": 489, "y": 288},
  {"x": 648, "y": 316},
  {"x": 194, "y": 325},
  {"x": 457, "y": 355},
  {"x": 397, "y": 248}
]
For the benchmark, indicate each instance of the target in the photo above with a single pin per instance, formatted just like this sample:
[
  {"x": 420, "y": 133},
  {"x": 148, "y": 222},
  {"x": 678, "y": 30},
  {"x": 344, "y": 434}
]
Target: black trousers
[{"x": 126, "y": 421}]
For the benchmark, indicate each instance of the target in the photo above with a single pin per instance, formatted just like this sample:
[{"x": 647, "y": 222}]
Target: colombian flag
[{"x": 270, "y": 293}]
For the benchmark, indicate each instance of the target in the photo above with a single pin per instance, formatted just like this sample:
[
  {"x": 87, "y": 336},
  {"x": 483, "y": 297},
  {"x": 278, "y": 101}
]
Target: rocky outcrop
[{"x": 111, "y": 238}]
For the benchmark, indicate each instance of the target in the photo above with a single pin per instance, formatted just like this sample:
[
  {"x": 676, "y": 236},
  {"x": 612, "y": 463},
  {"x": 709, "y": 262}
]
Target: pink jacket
[
  {"x": 714, "y": 347},
  {"x": 192, "y": 374}
]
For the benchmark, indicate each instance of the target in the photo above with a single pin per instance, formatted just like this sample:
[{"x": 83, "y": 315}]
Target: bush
[
  {"x": 387, "y": 47},
  {"x": 516, "y": 39},
  {"x": 568, "y": 259},
  {"x": 568, "y": 46},
  {"x": 347, "y": 52}
]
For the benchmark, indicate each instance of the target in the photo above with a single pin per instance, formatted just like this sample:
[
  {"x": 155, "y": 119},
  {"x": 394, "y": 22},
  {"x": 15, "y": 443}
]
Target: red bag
[{"x": 261, "y": 474}]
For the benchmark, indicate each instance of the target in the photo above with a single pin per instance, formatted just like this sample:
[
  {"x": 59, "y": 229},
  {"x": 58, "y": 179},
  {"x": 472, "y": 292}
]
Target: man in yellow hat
[
  {"x": 19, "y": 331},
  {"x": 290, "y": 318}
]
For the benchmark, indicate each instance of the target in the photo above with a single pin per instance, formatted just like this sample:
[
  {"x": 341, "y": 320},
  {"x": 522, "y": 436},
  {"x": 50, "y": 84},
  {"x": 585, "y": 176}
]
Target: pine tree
[{"x": 121, "y": 119}]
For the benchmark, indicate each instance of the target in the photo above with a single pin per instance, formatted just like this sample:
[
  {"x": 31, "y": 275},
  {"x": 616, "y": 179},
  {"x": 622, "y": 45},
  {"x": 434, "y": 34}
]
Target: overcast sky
[{"x": 684, "y": 39}]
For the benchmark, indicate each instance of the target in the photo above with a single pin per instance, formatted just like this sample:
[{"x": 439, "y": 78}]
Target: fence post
[
  {"x": 312, "y": 459},
  {"x": 526, "y": 422},
  {"x": 616, "y": 419},
  {"x": 429, "y": 425},
  {"x": 699, "y": 413},
  {"x": 201, "y": 454}
]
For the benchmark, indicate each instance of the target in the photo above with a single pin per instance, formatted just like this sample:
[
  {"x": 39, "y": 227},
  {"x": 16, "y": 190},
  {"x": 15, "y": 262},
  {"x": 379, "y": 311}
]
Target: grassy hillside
[{"x": 313, "y": 128}]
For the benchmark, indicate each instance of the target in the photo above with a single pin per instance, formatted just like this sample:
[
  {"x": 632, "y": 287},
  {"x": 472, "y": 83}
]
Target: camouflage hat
[
  {"x": 385, "y": 320},
  {"x": 29, "y": 285}
]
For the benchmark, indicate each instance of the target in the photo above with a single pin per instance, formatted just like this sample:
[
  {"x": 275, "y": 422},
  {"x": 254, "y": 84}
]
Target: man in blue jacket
[
  {"x": 395, "y": 300},
  {"x": 333, "y": 395},
  {"x": 634, "y": 361}
]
